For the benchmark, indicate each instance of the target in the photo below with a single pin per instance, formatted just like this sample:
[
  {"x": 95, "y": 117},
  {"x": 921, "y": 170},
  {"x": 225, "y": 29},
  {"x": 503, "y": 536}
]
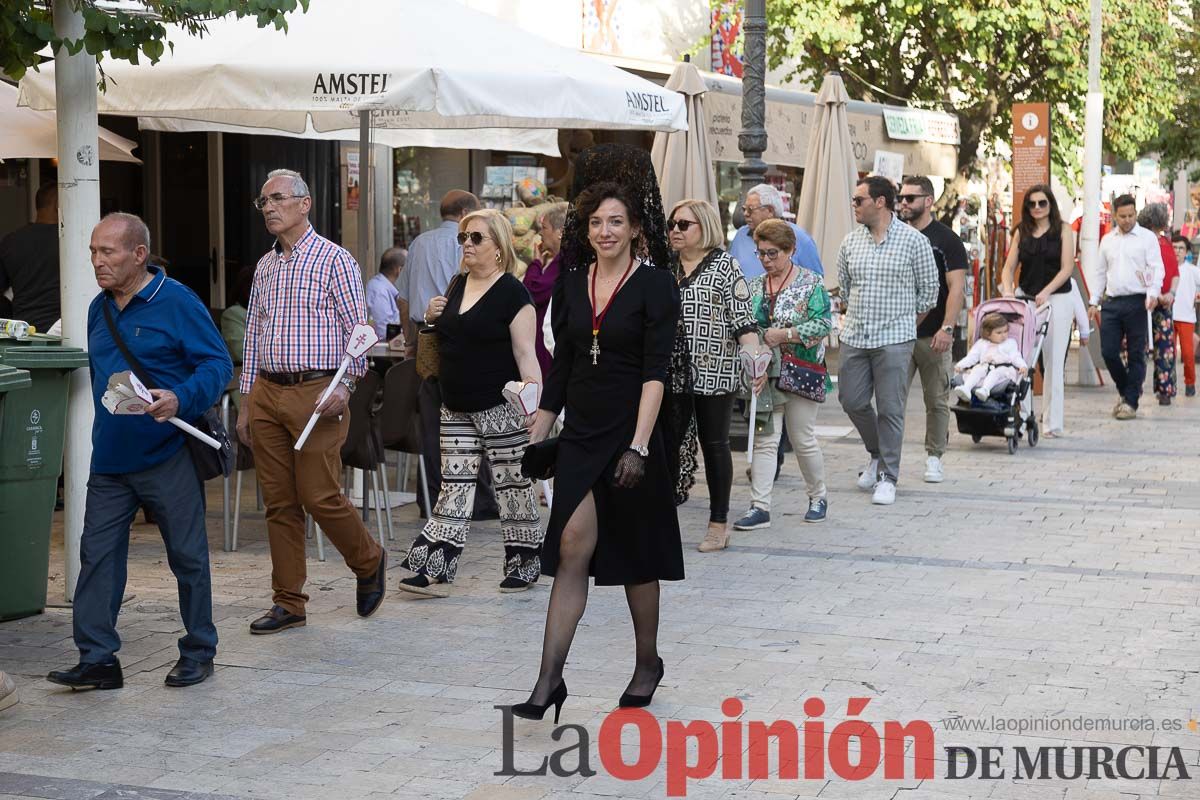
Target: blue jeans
[
  {"x": 1125, "y": 317},
  {"x": 175, "y": 496}
]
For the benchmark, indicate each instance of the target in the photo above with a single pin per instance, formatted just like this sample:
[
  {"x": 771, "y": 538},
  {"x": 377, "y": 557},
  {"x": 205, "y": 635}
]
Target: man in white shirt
[
  {"x": 382, "y": 292},
  {"x": 1128, "y": 275}
]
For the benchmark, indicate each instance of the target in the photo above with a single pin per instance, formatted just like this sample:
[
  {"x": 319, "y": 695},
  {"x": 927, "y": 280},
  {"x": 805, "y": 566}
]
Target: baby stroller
[{"x": 1009, "y": 410}]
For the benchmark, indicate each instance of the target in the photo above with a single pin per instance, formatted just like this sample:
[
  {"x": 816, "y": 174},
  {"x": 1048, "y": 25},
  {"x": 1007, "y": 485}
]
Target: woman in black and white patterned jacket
[{"x": 716, "y": 313}]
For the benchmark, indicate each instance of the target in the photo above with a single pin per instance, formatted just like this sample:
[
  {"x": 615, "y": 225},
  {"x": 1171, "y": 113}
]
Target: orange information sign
[{"x": 1030, "y": 150}]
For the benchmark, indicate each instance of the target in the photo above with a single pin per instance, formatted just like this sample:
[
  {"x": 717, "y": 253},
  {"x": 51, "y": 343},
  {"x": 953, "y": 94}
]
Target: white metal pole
[
  {"x": 1093, "y": 144},
  {"x": 1093, "y": 151},
  {"x": 79, "y": 211}
]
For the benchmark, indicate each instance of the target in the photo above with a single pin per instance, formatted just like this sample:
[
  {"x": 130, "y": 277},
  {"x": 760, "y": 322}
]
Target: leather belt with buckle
[{"x": 293, "y": 378}]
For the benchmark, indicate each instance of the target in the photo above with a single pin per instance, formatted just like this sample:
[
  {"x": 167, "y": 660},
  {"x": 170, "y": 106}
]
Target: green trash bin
[{"x": 33, "y": 425}]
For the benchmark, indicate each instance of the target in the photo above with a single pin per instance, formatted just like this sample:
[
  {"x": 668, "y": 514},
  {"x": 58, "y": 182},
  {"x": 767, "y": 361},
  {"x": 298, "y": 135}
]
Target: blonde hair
[
  {"x": 710, "y": 222},
  {"x": 499, "y": 231},
  {"x": 992, "y": 323}
]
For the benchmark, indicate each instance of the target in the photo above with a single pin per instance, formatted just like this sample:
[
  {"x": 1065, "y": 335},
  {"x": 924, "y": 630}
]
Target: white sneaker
[
  {"x": 982, "y": 395},
  {"x": 885, "y": 493},
  {"x": 962, "y": 393},
  {"x": 933, "y": 470},
  {"x": 869, "y": 476}
]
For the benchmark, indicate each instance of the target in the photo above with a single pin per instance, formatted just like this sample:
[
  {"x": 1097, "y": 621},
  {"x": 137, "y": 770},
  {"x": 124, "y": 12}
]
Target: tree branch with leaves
[{"x": 27, "y": 27}]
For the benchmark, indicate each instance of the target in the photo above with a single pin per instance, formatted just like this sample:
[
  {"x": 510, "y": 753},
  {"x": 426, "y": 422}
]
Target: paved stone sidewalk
[{"x": 1060, "y": 582}]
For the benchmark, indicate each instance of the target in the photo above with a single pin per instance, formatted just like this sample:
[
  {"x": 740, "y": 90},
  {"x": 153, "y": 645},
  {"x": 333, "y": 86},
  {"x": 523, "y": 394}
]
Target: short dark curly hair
[{"x": 589, "y": 201}]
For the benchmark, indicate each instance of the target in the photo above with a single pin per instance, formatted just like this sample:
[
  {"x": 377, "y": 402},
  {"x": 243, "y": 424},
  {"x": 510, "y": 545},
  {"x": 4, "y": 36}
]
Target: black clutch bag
[{"x": 540, "y": 459}]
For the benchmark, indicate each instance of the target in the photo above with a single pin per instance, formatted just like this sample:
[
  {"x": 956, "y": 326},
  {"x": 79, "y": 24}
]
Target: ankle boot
[{"x": 716, "y": 539}]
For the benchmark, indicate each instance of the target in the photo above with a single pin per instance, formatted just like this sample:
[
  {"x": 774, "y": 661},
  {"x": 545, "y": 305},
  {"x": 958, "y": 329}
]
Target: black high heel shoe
[
  {"x": 629, "y": 700},
  {"x": 537, "y": 711}
]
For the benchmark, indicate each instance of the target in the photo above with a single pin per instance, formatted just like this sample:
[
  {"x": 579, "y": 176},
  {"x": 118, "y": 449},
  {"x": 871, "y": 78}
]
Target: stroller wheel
[
  {"x": 1031, "y": 432},
  {"x": 976, "y": 438},
  {"x": 1012, "y": 444}
]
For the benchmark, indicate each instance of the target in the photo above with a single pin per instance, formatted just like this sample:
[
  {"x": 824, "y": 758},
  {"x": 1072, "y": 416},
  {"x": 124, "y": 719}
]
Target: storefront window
[{"x": 421, "y": 176}]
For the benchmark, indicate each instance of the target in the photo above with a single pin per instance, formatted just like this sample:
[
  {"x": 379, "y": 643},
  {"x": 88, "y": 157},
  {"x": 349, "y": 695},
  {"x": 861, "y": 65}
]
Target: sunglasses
[
  {"x": 858, "y": 201},
  {"x": 768, "y": 255},
  {"x": 910, "y": 198},
  {"x": 681, "y": 224},
  {"x": 474, "y": 237},
  {"x": 1037, "y": 203}
]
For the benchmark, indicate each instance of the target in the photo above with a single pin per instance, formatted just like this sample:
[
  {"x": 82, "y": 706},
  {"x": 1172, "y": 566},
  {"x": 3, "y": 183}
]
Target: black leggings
[{"x": 713, "y": 415}]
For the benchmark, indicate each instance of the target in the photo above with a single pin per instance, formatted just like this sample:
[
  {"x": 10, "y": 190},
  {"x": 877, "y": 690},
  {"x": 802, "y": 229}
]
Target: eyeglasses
[
  {"x": 681, "y": 224},
  {"x": 1037, "y": 203},
  {"x": 273, "y": 199},
  {"x": 474, "y": 237},
  {"x": 858, "y": 201},
  {"x": 768, "y": 255},
  {"x": 752, "y": 209},
  {"x": 910, "y": 198}
]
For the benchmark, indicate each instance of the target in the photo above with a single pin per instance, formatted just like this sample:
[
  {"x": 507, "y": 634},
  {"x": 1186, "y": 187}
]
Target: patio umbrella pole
[{"x": 364, "y": 190}]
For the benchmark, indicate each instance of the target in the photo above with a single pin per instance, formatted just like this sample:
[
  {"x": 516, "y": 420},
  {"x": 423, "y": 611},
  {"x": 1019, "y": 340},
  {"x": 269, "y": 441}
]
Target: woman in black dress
[{"x": 615, "y": 318}]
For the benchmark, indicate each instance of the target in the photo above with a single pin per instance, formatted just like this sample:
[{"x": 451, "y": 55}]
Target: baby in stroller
[{"x": 994, "y": 360}]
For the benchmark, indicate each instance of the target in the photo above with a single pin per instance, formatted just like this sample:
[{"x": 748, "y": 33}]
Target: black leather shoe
[
  {"x": 188, "y": 672},
  {"x": 90, "y": 676},
  {"x": 629, "y": 700},
  {"x": 276, "y": 620},
  {"x": 371, "y": 590}
]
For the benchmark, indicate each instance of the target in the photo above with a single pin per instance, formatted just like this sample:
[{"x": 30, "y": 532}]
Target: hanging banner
[{"x": 1030, "y": 151}]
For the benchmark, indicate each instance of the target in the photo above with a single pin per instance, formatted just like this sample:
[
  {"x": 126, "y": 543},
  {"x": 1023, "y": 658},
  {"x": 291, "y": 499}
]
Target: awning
[{"x": 928, "y": 140}]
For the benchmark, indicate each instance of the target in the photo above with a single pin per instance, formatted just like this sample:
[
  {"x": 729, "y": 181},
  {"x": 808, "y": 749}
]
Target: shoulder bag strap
[{"x": 134, "y": 364}]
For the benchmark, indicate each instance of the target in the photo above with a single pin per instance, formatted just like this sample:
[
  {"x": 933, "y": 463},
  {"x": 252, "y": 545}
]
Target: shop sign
[
  {"x": 1030, "y": 150},
  {"x": 915, "y": 125}
]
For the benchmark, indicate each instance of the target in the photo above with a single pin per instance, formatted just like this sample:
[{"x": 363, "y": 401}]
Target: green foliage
[
  {"x": 1177, "y": 143},
  {"x": 975, "y": 58},
  {"x": 27, "y": 27}
]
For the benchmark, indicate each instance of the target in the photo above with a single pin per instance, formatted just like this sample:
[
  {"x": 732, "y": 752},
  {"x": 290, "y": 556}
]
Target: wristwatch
[
  {"x": 789, "y": 334},
  {"x": 350, "y": 384},
  {"x": 948, "y": 329},
  {"x": 641, "y": 449}
]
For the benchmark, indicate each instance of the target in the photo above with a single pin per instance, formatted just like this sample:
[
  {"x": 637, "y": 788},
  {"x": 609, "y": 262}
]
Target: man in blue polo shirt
[
  {"x": 764, "y": 202},
  {"x": 138, "y": 460}
]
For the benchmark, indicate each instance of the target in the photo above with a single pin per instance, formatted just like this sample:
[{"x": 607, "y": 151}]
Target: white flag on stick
[
  {"x": 524, "y": 398},
  {"x": 756, "y": 361},
  {"x": 127, "y": 395},
  {"x": 362, "y": 339}
]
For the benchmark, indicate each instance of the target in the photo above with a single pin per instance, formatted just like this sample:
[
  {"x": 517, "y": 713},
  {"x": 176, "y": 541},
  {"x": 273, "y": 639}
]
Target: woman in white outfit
[{"x": 1043, "y": 246}]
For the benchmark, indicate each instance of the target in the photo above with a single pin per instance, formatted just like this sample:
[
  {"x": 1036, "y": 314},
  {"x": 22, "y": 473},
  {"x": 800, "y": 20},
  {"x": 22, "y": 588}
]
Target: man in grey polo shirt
[{"x": 889, "y": 280}]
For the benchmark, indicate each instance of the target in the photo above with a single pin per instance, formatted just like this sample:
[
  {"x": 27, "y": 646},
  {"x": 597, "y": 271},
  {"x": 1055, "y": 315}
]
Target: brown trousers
[{"x": 309, "y": 480}]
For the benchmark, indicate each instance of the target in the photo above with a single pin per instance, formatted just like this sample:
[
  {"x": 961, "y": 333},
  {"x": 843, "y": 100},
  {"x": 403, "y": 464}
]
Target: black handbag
[
  {"x": 540, "y": 459},
  {"x": 209, "y": 463}
]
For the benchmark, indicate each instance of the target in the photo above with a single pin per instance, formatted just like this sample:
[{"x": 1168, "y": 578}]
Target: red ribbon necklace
[
  {"x": 598, "y": 319},
  {"x": 773, "y": 296}
]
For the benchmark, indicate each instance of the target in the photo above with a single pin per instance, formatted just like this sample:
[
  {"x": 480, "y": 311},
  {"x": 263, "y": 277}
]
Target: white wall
[{"x": 648, "y": 30}]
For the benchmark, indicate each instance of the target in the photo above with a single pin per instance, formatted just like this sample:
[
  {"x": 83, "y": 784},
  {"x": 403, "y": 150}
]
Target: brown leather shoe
[{"x": 276, "y": 620}]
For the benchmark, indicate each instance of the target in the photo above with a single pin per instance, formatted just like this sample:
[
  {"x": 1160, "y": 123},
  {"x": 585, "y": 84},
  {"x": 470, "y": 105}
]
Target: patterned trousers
[{"x": 465, "y": 437}]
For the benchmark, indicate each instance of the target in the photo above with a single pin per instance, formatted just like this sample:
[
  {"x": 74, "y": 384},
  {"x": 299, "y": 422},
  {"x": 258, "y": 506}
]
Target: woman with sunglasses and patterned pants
[
  {"x": 716, "y": 314},
  {"x": 1044, "y": 246},
  {"x": 485, "y": 329}
]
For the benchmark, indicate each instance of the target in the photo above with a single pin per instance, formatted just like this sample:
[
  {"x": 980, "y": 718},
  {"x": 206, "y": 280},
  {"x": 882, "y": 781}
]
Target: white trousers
[{"x": 1054, "y": 359}]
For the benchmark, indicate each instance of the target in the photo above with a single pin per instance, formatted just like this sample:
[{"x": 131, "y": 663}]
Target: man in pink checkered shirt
[{"x": 306, "y": 298}]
